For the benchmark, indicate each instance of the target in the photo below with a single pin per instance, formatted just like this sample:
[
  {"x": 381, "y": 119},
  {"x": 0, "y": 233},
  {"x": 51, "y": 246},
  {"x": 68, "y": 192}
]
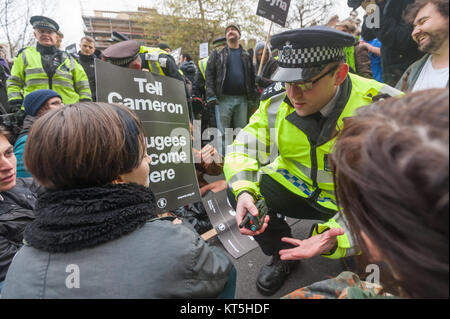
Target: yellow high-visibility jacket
[
  {"x": 28, "y": 75},
  {"x": 290, "y": 149}
]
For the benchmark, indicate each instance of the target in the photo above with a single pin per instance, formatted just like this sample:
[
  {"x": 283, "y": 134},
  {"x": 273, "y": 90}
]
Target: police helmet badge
[{"x": 287, "y": 50}]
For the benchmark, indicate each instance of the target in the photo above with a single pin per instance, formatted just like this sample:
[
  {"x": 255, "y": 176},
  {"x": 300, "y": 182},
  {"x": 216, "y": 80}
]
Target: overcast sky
[{"x": 68, "y": 13}]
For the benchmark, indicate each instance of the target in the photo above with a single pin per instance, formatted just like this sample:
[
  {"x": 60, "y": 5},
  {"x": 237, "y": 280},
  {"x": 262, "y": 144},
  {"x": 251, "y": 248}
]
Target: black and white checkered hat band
[
  {"x": 309, "y": 57},
  {"x": 44, "y": 25}
]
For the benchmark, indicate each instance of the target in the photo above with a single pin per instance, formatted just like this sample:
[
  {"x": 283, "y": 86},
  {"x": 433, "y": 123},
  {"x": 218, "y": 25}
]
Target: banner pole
[{"x": 265, "y": 49}]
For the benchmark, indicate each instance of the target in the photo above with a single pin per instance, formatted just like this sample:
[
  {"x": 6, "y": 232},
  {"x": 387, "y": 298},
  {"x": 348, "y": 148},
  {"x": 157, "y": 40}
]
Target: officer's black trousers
[{"x": 284, "y": 202}]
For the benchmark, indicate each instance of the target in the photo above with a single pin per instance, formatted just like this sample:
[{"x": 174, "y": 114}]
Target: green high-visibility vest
[
  {"x": 202, "y": 64},
  {"x": 152, "y": 55},
  {"x": 350, "y": 56},
  {"x": 28, "y": 75}
]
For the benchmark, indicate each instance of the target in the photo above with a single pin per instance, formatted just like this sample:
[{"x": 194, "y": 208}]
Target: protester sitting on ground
[
  {"x": 98, "y": 215},
  {"x": 208, "y": 161},
  {"x": 431, "y": 21},
  {"x": 36, "y": 104},
  {"x": 269, "y": 66},
  {"x": 391, "y": 167},
  {"x": 17, "y": 200}
]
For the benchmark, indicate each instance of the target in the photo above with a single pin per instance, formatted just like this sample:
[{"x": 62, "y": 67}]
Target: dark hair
[
  {"x": 187, "y": 56},
  {"x": 391, "y": 171},
  {"x": 413, "y": 9},
  {"x": 163, "y": 46},
  {"x": 84, "y": 144},
  {"x": 6, "y": 133}
]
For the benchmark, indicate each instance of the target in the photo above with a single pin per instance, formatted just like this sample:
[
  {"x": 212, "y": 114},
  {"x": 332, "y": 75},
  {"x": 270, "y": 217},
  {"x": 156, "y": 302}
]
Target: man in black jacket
[
  {"x": 386, "y": 23},
  {"x": 230, "y": 83},
  {"x": 17, "y": 202},
  {"x": 86, "y": 57}
]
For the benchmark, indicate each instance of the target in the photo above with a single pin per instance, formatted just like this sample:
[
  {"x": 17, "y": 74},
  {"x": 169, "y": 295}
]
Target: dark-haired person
[
  {"x": 97, "y": 233},
  {"x": 391, "y": 167},
  {"x": 17, "y": 202},
  {"x": 188, "y": 67},
  {"x": 431, "y": 21}
]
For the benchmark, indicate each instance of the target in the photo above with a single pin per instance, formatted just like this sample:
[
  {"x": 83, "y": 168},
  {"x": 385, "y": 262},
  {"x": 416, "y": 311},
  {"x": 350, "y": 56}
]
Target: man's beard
[{"x": 437, "y": 39}]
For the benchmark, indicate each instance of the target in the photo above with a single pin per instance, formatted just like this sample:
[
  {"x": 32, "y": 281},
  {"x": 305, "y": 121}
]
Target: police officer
[
  {"x": 131, "y": 54},
  {"x": 124, "y": 54},
  {"x": 199, "y": 88},
  {"x": 46, "y": 67},
  {"x": 299, "y": 119}
]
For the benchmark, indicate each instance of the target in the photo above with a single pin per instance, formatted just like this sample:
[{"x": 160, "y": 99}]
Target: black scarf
[
  {"x": 70, "y": 220},
  {"x": 45, "y": 50}
]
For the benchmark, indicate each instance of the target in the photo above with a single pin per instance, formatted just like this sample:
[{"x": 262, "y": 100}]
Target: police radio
[{"x": 255, "y": 223}]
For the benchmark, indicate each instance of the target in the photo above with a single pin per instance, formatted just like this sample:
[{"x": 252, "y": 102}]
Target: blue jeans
[
  {"x": 1, "y": 285},
  {"x": 232, "y": 112}
]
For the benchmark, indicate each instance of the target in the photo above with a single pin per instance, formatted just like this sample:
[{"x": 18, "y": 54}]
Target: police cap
[
  {"x": 122, "y": 53},
  {"x": 304, "y": 53},
  {"x": 219, "y": 40},
  {"x": 117, "y": 37},
  {"x": 44, "y": 23}
]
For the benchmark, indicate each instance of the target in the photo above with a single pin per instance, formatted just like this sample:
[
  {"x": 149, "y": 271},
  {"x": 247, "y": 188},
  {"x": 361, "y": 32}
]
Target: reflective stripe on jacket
[
  {"x": 152, "y": 55},
  {"x": 300, "y": 166},
  {"x": 28, "y": 75},
  {"x": 202, "y": 64}
]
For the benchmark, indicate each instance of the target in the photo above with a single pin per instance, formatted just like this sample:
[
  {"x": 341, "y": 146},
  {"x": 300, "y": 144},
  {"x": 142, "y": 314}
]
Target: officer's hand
[
  {"x": 246, "y": 203},
  {"x": 312, "y": 246}
]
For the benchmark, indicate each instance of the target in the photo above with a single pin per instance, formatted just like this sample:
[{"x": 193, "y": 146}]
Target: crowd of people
[{"x": 361, "y": 143}]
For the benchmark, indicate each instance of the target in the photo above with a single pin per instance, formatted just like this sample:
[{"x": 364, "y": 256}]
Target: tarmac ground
[{"x": 307, "y": 272}]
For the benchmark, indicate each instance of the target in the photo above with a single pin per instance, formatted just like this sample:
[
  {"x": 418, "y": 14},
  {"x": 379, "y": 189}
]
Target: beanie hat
[
  {"x": 232, "y": 25},
  {"x": 164, "y": 46},
  {"x": 36, "y": 99}
]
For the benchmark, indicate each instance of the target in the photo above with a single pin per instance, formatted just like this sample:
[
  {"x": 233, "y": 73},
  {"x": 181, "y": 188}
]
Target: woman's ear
[{"x": 118, "y": 180}]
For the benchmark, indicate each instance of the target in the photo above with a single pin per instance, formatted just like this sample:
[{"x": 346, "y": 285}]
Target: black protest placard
[
  {"x": 222, "y": 217},
  {"x": 160, "y": 103},
  {"x": 274, "y": 10}
]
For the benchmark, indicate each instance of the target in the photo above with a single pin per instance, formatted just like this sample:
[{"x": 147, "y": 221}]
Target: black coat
[
  {"x": 189, "y": 70},
  {"x": 88, "y": 64},
  {"x": 216, "y": 73},
  {"x": 16, "y": 211},
  {"x": 267, "y": 70},
  {"x": 398, "y": 50}
]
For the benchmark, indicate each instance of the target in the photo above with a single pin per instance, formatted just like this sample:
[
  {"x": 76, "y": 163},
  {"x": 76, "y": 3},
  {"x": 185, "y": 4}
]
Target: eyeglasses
[
  {"x": 306, "y": 86},
  {"x": 45, "y": 31}
]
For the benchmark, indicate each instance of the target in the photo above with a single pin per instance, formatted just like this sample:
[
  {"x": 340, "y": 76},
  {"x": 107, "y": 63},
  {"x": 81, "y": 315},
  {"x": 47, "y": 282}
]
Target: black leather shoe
[{"x": 273, "y": 274}]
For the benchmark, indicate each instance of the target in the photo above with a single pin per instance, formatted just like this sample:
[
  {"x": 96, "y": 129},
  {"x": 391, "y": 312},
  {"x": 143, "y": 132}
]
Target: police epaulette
[{"x": 272, "y": 90}]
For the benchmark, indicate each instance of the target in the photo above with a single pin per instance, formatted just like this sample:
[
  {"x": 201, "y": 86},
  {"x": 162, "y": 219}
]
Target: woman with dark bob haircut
[
  {"x": 96, "y": 232},
  {"x": 391, "y": 170}
]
